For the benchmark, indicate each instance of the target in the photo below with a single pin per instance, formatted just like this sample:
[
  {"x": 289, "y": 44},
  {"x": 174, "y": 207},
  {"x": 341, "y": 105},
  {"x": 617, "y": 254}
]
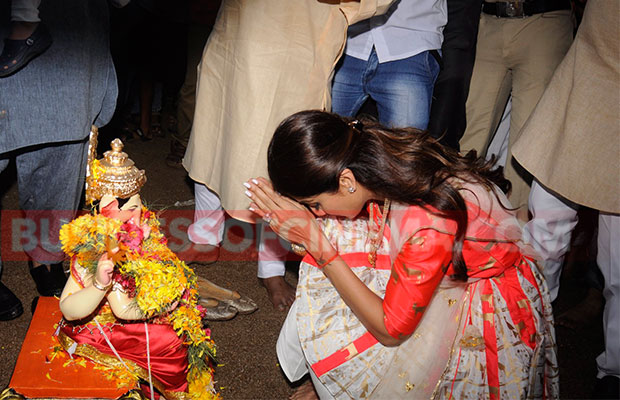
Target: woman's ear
[{"x": 347, "y": 182}]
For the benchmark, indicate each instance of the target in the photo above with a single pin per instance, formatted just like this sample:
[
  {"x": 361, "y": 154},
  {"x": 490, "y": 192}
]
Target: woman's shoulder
[{"x": 412, "y": 219}]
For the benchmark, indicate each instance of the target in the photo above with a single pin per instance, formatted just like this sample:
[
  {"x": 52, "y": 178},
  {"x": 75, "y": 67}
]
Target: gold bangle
[
  {"x": 99, "y": 286},
  {"x": 299, "y": 249}
]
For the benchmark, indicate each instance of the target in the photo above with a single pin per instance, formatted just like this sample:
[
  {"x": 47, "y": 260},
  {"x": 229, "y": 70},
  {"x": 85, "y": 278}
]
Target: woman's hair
[{"x": 310, "y": 149}]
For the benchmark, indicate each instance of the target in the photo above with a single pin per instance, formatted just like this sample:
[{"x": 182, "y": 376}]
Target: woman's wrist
[{"x": 323, "y": 262}]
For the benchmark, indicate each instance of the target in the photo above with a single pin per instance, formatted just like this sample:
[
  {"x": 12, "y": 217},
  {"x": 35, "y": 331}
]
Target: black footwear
[
  {"x": 10, "y": 306},
  {"x": 18, "y": 53},
  {"x": 607, "y": 388},
  {"x": 49, "y": 282}
]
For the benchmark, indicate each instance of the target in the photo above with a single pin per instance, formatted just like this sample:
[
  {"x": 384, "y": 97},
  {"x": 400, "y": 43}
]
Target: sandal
[{"x": 18, "y": 53}]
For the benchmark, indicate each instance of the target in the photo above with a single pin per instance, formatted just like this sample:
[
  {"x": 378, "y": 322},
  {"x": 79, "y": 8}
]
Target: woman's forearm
[{"x": 365, "y": 304}]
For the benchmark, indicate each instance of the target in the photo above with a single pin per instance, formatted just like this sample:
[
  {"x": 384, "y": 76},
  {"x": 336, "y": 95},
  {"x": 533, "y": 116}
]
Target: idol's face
[{"x": 130, "y": 211}]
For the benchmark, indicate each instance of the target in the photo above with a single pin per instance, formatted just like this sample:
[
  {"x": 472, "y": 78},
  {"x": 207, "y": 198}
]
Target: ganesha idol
[{"x": 130, "y": 303}]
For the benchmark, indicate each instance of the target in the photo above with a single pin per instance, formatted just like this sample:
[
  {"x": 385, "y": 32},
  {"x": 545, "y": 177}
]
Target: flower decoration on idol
[{"x": 145, "y": 267}]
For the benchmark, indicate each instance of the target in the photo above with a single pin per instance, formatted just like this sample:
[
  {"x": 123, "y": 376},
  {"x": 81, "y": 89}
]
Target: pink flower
[{"x": 131, "y": 236}]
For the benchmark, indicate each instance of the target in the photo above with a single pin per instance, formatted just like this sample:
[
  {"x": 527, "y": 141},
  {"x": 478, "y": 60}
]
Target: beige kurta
[
  {"x": 571, "y": 142},
  {"x": 264, "y": 61}
]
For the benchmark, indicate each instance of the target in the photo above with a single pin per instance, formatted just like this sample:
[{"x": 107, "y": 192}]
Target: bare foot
[
  {"x": 305, "y": 392},
  {"x": 279, "y": 291}
]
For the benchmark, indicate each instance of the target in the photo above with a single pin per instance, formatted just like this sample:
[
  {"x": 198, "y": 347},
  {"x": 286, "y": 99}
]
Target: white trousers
[
  {"x": 291, "y": 356},
  {"x": 208, "y": 228},
  {"x": 25, "y": 10},
  {"x": 608, "y": 260},
  {"x": 549, "y": 231}
]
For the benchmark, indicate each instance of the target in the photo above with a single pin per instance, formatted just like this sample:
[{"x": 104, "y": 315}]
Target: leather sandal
[
  {"x": 18, "y": 53},
  {"x": 220, "y": 312},
  {"x": 244, "y": 305}
]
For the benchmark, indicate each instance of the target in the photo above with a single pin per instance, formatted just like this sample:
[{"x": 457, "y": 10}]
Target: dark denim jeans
[{"x": 402, "y": 89}]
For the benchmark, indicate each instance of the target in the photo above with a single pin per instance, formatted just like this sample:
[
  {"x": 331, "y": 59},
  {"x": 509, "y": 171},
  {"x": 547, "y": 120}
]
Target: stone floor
[{"x": 246, "y": 344}]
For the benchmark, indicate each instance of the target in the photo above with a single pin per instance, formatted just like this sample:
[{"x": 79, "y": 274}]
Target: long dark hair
[{"x": 310, "y": 149}]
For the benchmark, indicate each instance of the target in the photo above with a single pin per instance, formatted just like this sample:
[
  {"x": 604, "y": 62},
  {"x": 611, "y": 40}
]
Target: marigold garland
[{"x": 156, "y": 278}]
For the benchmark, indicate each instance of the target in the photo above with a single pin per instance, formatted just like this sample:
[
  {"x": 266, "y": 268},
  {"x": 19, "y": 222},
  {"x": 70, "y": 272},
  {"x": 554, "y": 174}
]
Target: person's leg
[
  {"x": 348, "y": 94},
  {"x": 548, "y": 37},
  {"x": 25, "y": 11},
  {"x": 197, "y": 36},
  {"x": 208, "y": 226},
  {"x": 271, "y": 268},
  {"x": 403, "y": 90},
  {"x": 549, "y": 231},
  {"x": 608, "y": 259},
  {"x": 10, "y": 306},
  {"x": 28, "y": 37},
  {"x": 206, "y": 233},
  {"x": 50, "y": 182},
  {"x": 447, "y": 120},
  {"x": 489, "y": 88},
  {"x": 499, "y": 144}
]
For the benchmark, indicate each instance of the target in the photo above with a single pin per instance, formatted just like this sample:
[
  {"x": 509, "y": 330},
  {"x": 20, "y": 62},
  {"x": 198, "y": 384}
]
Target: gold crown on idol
[{"x": 115, "y": 174}]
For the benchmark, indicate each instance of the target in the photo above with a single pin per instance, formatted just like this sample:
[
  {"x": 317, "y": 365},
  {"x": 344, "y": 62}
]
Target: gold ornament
[
  {"x": 299, "y": 249},
  {"x": 115, "y": 174},
  {"x": 376, "y": 236}
]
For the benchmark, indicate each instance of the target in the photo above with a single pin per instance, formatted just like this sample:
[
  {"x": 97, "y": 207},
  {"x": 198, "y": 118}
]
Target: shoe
[
  {"x": 49, "y": 282},
  {"x": 244, "y": 305},
  {"x": 208, "y": 290},
  {"x": 18, "y": 53},
  {"x": 174, "y": 159},
  {"x": 217, "y": 310},
  {"x": 10, "y": 306},
  {"x": 200, "y": 254},
  {"x": 607, "y": 387}
]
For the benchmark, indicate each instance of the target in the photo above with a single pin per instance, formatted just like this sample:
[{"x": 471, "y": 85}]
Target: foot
[
  {"x": 25, "y": 43},
  {"x": 10, "y": 306},
  {"x": 305, "y": 392},
  {"x": 50, "y": 279},
  {"x": 201, "y": 254},
  {"x": 584, "y": 313},
  {"x": 280, "y": 293},
  {"x": 175, "y": 157}
]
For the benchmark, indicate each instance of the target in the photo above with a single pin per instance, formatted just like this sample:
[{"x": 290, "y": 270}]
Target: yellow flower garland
[{"x": 160, "y": 280}]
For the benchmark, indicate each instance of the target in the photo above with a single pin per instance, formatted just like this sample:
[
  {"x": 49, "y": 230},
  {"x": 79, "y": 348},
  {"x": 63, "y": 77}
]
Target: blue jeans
[{"x": 402, "y": 89}]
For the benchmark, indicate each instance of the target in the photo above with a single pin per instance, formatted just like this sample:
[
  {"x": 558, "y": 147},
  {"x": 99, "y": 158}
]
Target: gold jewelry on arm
[
  {"x": 298, "y": 249},
  {"x": 101, "y": 287}
]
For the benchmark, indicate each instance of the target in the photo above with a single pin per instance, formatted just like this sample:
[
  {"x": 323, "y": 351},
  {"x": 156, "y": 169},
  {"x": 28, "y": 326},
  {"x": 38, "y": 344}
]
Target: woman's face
[{"x": 340, "y": 204}]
